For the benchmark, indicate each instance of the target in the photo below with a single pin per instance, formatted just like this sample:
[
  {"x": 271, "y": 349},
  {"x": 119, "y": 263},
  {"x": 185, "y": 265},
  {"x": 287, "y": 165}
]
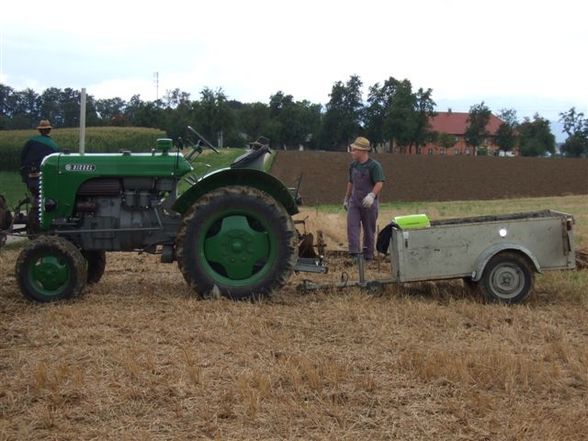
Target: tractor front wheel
[
  {"x": 237, "y": 242},
  {"x": 96, "y": 264},
  {"x": 50, "y": 268}
]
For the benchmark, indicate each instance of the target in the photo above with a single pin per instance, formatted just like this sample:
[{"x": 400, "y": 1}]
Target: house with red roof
[{"x": 455, "y": 124}]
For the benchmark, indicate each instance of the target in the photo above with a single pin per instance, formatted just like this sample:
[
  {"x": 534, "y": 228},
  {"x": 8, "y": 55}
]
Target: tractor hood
[
  {"x": 63, "y": 173},
  {"x": 85, "y": 166}
]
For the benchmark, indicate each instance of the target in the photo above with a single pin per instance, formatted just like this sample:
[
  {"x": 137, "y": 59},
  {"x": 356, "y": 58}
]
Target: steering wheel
[{"x": 203, "y": 139}]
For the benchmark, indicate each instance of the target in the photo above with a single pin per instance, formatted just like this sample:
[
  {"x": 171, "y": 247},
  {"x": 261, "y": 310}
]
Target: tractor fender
[
  {"x": 490, "y": 252},
  {"x": 235, "y": 176}
]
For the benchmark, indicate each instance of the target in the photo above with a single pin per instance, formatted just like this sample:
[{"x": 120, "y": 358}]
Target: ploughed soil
[{"x": 424, "y": 178}]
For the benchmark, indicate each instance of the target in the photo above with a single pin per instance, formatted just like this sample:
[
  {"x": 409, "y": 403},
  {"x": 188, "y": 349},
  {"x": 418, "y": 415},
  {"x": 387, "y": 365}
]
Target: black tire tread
[
  {"x": 96, "y": 264},
  {"x": 64, "y": 246},
  {"x": 286, "y": 267},
  {"x": 504, "y": 256}
]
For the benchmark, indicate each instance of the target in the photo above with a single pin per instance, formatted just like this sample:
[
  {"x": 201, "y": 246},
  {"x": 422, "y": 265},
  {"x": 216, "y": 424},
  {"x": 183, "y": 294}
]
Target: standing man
[
  {"x": 33, "y": 153},
  {"x": 366, "y": 178}
]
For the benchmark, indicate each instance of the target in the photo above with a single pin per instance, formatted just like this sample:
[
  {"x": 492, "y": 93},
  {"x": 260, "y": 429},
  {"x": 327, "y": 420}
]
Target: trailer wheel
[
  {"x": 507, "y": 278},
  {"x": 96, "y": 264},
  {"x": 237, "y": 242},
  {"x": 50, "y": 268}
]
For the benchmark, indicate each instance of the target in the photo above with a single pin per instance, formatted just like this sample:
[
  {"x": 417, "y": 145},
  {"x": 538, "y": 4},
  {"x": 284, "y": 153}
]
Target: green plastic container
[{"x": 413, "y": 221}]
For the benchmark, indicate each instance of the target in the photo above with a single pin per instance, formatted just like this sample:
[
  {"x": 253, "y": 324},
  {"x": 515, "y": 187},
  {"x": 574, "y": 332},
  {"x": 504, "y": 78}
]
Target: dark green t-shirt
[
  {"x": 46, "y": 140},
  {"x": 374, "y": 167}
]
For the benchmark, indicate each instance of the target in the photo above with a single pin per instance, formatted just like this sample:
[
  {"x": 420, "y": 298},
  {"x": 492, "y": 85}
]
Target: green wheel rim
[
  {"x": 238, "y": 248},
  {"x": 49, "y": 275}
]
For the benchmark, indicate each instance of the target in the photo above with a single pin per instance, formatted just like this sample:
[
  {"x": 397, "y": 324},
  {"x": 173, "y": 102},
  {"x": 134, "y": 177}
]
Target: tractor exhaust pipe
[{"x": 83, "y": 121}]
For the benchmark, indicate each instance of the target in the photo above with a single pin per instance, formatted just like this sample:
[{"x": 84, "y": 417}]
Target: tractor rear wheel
[
  {"x": 50, "y": 268},
  {"x": 96, "y": 264},
  {"x": 237, "y": 242}
]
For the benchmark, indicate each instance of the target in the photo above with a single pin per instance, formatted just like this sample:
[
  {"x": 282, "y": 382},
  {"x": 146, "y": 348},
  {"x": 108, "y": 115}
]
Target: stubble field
[{"x": 139, "y": 357}]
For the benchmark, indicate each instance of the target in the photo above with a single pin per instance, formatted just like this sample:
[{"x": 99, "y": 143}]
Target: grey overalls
[{"x": 358, "y": 216}]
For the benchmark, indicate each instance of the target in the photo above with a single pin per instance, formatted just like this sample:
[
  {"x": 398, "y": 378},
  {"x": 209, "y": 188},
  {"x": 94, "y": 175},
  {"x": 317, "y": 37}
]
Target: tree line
[{"x": 393, "y": 112}]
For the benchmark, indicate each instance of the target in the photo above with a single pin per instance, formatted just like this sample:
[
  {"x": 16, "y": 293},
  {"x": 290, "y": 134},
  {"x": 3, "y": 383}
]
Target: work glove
[
  {"x": 346, "y": 203},
  {"x": 368, "y": 201}
]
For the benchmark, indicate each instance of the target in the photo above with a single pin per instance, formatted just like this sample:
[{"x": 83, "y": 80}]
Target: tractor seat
[{"x": 253, "y": 159}]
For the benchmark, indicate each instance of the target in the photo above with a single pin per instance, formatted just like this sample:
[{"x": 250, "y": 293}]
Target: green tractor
[{"x": 231, "y": 232}]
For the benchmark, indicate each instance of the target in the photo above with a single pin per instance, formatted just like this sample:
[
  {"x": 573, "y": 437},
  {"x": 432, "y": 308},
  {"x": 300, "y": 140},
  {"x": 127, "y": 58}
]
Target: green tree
[
  {"x": 300, "y": 122},
  {"x": 50, "y": 106},
  {"x": 280, "y": 105},
  {"x": 144, "y": 114},
  {"x": 291, "y": 123},
  {"x": 375, "y": 113},
  {"x": 26, "y": 111},
  {"x": 311, "y": 115},
  {"x": 535, "y": 137},
  {"x": 423, "y": 112},
  {"x": 178, "y": 114},
  {"x": 7, "y": 104},
  {"x": 575, "y": 146},
  {"x": 70, "y": 105},
  {"x": 576, "y": 127},
  {"x": 395, "y": 113},
  {"x": 111, "y": 112},
  {"x": 506, "y": 135},
  {"x": 388, "y": 114},
  {"x": 214, "y": 117},
  {"x": 399, "y": 123},
  {"x": 252, "y": 119},
  {"x": 6, "y": 100},
  {"x": 175, "y": 98},
  {"x": 478, "y": 118},
  {"x": 573, "y": 122},
  {"x": 343, "y": 115},
  {"x": 446, "y": 141}
]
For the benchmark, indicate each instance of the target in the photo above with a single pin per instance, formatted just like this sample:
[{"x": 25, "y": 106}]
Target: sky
[{"x": 521, "y": 54}]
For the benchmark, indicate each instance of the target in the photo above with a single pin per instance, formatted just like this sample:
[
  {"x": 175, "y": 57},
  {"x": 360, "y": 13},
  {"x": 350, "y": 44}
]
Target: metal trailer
[{"x": 497, "y": 255}]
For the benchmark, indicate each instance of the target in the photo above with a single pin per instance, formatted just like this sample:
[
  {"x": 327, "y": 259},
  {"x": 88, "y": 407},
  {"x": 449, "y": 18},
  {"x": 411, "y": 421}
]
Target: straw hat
[
  {"x": 361, "y": 143},
  {"x": 44, "y": 124}
]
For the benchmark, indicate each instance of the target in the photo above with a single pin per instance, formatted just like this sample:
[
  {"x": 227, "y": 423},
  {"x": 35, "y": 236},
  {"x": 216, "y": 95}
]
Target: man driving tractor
[{"x": 32, "y": 155}]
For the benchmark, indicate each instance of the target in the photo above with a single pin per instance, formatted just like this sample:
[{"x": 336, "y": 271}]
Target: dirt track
[{"x": 420, "y": 178}]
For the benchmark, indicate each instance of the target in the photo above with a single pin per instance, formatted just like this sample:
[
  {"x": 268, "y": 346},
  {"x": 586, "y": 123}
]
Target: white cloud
[{"x": 461, "y": 49}]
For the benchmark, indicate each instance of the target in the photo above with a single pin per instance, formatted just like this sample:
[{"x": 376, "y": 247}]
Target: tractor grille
[{"x": 100, "y": 187}]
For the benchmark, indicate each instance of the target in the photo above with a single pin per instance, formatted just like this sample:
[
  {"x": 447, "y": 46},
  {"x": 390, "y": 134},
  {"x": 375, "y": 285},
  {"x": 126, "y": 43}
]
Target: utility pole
[
  {"x": 83, "y": 121},
  {"x": 156, "y": 79}
]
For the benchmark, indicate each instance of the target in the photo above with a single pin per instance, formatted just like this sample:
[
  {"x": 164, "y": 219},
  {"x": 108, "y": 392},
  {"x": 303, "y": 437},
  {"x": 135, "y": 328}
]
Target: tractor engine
[
  {"x": 121, "y": 212},
  {"x": 113, "y": 201}
]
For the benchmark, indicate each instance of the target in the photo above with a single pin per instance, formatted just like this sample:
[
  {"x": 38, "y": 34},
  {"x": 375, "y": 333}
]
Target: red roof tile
[{"x": 455, "y": 123}]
